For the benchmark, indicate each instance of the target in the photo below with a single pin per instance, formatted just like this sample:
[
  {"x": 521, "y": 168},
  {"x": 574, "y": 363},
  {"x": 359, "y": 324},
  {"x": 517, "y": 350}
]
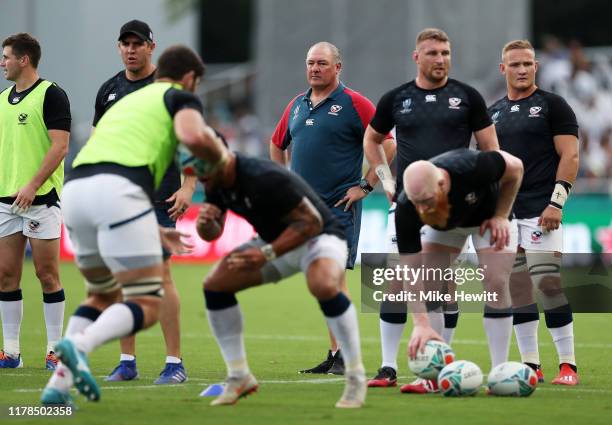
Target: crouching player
[
  {"x": 450, "y": 197},
  {"x": 297, "y": 233}
]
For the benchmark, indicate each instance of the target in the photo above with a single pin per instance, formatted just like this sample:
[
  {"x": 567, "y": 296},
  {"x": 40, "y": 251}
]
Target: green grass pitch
[{"x": 284, "y": 332}]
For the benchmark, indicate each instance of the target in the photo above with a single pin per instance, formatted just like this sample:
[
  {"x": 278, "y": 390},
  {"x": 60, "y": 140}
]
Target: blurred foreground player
[
  {"x": 455, "y": 195},
  {"x": 541, "y": 129},
  {"x": 171, "y": 200},
  {"x": 297, "y": 233},
  {"x": 110, "y": 218}
]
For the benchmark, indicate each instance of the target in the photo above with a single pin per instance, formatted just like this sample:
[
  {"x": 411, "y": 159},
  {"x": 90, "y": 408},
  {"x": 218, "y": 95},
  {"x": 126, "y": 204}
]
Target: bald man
[
  {"x": 325, "y": 127},
  {"x": 450, "y": 197}
]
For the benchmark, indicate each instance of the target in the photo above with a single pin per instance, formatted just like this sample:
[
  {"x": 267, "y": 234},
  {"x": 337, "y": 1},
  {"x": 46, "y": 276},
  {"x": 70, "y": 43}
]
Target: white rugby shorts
[
  {"x": 533, "y": 238},
  {"x": 38, "y": 222},
  {"x": 111, "y": 222},
  {"x": 322, "y": 246}
]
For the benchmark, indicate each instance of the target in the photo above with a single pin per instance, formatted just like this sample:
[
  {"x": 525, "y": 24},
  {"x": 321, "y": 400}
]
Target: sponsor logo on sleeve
[{"x": 495, "y": 117}]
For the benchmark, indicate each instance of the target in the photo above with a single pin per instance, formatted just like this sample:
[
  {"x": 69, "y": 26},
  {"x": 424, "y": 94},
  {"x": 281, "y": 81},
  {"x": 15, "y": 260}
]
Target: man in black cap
[{"x": 136, "y": 48}]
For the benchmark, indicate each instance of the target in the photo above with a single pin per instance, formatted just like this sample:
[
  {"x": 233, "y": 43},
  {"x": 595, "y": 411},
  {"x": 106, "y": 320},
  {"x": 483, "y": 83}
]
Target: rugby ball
[
  {"x": 512, "y": 379},
  {"x": 460, "y": 378},
  {"x": 428, "y": 364}
]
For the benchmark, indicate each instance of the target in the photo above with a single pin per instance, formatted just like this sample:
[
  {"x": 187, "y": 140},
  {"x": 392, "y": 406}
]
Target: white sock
[
  {"x": 54, "y": 320},
  {"x": 127, "y": 357},
  {"x": 527, "y": 340},
  {"x": 77, "y": 324},
  {"x": 390, "y": 338},
  {"x": 62, "y": 376},
  {"x": 346, "y": 330},
  {"x": 563, "y": 338},
  {"x": 499, "y": 331},
  {"x": 448, "y": 334},
  {"x": 115, "y": 322},
  {"x": 172, "y": 359},
  {"x": 226, "y": 325},
  {"x": 436, "y": 320},
  {"x": 11, "y": 313}
]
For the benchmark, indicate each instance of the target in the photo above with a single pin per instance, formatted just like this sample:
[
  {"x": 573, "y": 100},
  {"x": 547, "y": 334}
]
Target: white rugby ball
[
  {"x": 512, "y": 379},
  {"x": 460, "y": 378},
  {"x": 428, "y": 364}
]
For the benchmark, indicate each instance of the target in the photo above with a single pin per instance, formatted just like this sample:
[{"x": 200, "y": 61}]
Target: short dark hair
[
  {"x": 24, "y": 44},
  {"x": 176, "y": 61}
]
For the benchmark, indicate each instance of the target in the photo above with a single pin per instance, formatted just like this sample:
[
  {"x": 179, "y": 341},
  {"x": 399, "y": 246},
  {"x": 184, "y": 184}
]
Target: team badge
[
  {"x": 453, "y": 102},
  {"x": 470, "y": 198},
  {"x": 430, "y": 98},
  {"x": 34, "y": 225},
  {"x": 515, "y": 108},
  {"x": 334, "y": 110},
  {"x": 536, "y": 235},
  {"x": 406, "y": 106},
  {"x": 534, "y": 111}
]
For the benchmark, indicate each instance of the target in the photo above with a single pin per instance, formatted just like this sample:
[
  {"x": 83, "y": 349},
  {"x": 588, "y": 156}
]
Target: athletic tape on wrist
[
  {"x": 384, "y": 174},
  {"x": 560, "y": 194}
]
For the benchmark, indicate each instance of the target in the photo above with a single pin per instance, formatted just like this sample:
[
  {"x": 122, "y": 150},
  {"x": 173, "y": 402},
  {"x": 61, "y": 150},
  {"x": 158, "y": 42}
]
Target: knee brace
[
  {"x": 520, "y": 263},
  {"x": 148, "y": 286},
  {"x": 102, "y": 285},
  {"x": 545, "y": 272}
]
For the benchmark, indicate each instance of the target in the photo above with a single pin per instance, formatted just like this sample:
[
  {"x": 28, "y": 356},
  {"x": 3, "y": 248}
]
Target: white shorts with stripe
[{"x": 111, "y": 222}]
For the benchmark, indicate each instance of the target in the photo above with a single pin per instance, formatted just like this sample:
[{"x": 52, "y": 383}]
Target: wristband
[
  {"x": 560, "y": 194},
  {"x": 268, "y": 252}
]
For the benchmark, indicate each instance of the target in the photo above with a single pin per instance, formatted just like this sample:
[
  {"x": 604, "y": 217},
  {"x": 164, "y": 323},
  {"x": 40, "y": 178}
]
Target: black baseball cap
[{"x": 138, "y": 28}]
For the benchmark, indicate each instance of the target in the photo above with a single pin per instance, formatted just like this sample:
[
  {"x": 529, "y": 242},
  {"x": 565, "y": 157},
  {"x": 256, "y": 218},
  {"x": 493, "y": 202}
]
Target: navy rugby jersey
[
  {"x": 326, "y": 140},
  {"x": 109, "y": 93},
  {"x": 526, "y": 128},
  {"x": 473, "y": 195},
  {"x": 264, "y": 193},
  {"x": 429, "y": 122}
]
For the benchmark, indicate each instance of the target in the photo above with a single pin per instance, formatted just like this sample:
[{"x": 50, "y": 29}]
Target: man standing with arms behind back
[
  {"x": 325, "y": 127},
  {"x": 136, "y": 48},
  {"x": 540, "y": 128},
  {"x": 432, "y": 114},
  {"x": 34, "y": 132}
]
